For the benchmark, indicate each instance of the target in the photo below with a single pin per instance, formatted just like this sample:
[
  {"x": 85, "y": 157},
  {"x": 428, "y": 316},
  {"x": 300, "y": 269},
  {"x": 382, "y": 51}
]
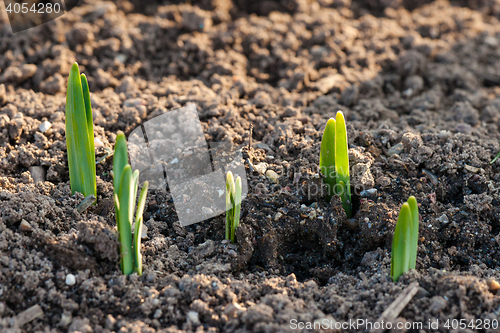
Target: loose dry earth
[{"x": 419, "y": 83}]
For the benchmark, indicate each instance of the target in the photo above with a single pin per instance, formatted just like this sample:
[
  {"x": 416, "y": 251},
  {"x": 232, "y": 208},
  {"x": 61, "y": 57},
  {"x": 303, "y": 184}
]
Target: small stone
[
  {"x": 29, "y": 315},
  {"x": 144, "y": 233},
  {"x": 120, "y": 57},
  {"x": 158, "y": 314},
  {"x": 443, "y": 219},
  {"x": 37, "y": 173},
  {"x": 98, "y": 143},
  {"x": 233, "y": 253},
  {"x": 278, "y": 216},
  {"x": 70, "y": 280},
  {"x": 174, "y": 161},
  {"x": 397, "y": 149},
  {"x": 193, "y": 317},
  {"x": 368, "y": 192},
  {"x": 272, "y": 176},
  {"x": 24, "y": 226},
  {"x": 470, "y": 168},
  {"x": 493, "y": 285},
  {"x": 110, "y": 322},
  {"x": 261, "y": 168},
  {"x": 45, "y": 126},
  {"x": 66, "y": 319},
  {"x": 207, "y": 211},
  {"x": 491, "y": 41}
]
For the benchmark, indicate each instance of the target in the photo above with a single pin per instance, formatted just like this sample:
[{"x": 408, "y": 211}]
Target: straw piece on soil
[
  {"x": 393, "y": 311},
  {"x": 28, "y": 315}
]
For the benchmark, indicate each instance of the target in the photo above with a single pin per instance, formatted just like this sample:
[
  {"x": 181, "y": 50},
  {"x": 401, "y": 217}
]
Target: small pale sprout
[{"x": 233, "y": 205}]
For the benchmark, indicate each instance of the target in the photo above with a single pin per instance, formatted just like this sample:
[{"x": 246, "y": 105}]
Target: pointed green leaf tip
[
  {"x": 80, "y": 135},
  {"x": 327, "y": 157},
  {"x": 138, "y": 229},
  {"x": 412, "y": 202},
  {"x": 405, "y": 240},
  {"x": 125, "y": 220},
  {"x": 343, "y": 187},
  {"x": 120, "y": 159}
]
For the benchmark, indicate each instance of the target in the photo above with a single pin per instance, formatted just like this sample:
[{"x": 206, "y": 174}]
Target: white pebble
[
  {"x": 193, "y": 317},
  {"x": 174, "y": 161},
  {"x": 70, "y": 280},
  {"x": 45, "y": 126},
  {"x": 272, "y": 176},
  {"x": 98, "y": 143},
  {"x": 368, "y": 192},
  {"x": 207, "y": 210},
  {"x": 261, "y": 167}
]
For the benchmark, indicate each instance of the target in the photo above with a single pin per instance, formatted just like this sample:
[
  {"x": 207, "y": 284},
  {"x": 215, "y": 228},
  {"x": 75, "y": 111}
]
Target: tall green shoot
[{"x": 80, "y": 134}]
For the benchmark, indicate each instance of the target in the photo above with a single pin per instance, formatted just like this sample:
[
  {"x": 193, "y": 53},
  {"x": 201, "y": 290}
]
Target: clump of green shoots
[
  {"x": 80, "y": 134},
  {"x": 233, "y": 205},
  {"x": 334, "y": 161},
  {"x": 405, "y": 240},
  {"x": 125, "y": 183}
]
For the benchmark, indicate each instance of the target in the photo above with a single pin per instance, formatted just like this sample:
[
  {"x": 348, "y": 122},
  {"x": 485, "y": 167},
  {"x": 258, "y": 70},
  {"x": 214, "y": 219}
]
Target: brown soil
[{"x": 419, "y": 83}]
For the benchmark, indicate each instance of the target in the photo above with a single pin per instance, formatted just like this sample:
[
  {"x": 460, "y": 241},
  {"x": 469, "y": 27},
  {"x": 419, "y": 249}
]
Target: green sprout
[
  {"x": 327, "y": 157},
  {"x": 496, "y": 158},
  {"x": 334, "y": 161},
  {"x": 80, "y": 134},
  {"x": 125, "y": 184},
  {"x": 233, "y": 205},
  {"x": 405, "y": 240}
]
